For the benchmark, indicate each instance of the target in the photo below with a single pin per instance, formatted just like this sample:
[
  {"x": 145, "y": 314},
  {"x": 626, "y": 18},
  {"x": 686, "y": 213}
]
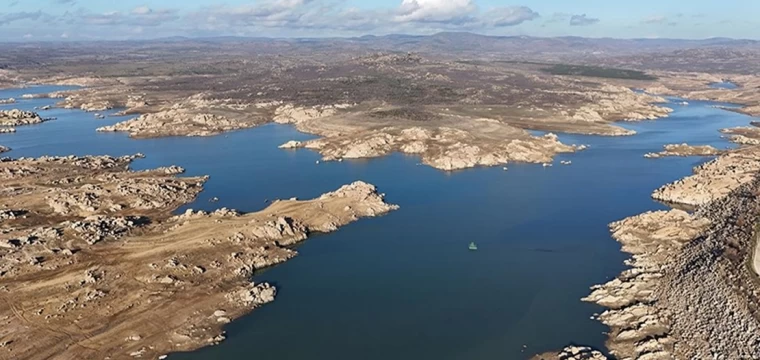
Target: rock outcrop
[
  {"x": 290, "y": 114},
  {"x": 7, "y": 101},
  {"x": 17, "y": 117},
  {"x": 572, "y": 353},
  {"x": 743, "y": 135},
  {"x": 714, "y": 179},
  {"x": 689, "y": 293},
  {"x": 4, "y": 149},
  {"x": 685, "y": 150},
  {"x": 194, "y": 116},
  {"x": 130, "y": 261},
  {"x": 613, "y": 103},
  {"x": 444, "y": 148}
]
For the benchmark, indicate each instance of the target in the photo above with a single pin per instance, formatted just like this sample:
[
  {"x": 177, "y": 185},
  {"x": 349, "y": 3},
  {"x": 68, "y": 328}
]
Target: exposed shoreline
[
  {"x": 641, "y": 278},
  {"x": 649, "y": 312},
  {"x": 101, "y": 258},
  {"x": 445, "y": 137}
]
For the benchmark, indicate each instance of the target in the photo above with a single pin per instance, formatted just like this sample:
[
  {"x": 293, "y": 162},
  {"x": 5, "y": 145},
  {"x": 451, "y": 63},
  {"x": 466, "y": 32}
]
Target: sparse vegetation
[{"x": 598, "y": 71}]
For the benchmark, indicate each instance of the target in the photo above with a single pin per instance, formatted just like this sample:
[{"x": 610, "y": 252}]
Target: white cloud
[
  {"x": 442, "y": 11},
  {"x": 281, "y": 18},
  {"x": 511, "y": 16},
  {"x": 140, "y": 16},
  {"x": 141, "y": 10},
  {"x": 582, "y": 20}
]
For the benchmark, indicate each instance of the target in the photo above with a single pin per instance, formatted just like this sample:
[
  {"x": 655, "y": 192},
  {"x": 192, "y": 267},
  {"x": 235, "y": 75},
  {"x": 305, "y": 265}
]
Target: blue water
[
  {"x": 404, "y": 286},
  {"x": 724, "y": 85}
]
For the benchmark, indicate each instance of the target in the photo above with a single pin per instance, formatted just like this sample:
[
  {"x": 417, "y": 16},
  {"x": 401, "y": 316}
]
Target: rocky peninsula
[
  {"x": 748, "y": 135},
  {"x": 454, "y": 143},
  {"x": 714, "y": 179},
  {"x": 194, "y": 116},
  {"x": 17, "y": 117},
  {"x": 86, "y": 244}
]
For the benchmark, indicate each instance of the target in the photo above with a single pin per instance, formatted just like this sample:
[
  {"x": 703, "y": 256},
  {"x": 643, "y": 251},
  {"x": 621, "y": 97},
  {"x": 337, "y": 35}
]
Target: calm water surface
[
  {"x": 404, "y": 286},
  {"x": 724, "y": 85}
]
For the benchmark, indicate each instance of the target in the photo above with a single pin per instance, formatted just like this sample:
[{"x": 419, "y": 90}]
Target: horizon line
[{"x": 186, "y": 37}]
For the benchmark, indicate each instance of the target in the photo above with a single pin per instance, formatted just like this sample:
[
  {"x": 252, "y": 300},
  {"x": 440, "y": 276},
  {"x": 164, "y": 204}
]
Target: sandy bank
[{"x": 89, "y": 249}]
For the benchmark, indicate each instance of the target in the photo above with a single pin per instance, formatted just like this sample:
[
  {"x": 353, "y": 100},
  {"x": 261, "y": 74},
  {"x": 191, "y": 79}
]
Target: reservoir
[{"x": 405, "y": 285}]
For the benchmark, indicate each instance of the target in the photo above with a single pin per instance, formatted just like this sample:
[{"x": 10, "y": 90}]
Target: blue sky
[{"x": 30, "y": 20}]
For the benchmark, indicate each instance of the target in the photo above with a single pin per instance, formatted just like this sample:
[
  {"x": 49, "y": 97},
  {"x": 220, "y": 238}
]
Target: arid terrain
[
  {"x": 94, "y": 263},
  {"x": 453, "y": 113}
]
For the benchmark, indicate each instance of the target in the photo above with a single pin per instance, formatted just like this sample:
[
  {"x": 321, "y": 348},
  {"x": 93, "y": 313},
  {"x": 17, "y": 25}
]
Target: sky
[{"x": 70, "y": 20}]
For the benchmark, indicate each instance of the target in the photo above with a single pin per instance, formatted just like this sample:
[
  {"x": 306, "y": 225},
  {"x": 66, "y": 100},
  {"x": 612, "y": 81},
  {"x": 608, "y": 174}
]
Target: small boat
[{"x": 473, "y": 247}]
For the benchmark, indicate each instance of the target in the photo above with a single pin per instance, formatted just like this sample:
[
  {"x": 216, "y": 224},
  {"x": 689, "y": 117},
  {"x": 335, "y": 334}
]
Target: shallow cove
[{"x": 405, "y": 286}]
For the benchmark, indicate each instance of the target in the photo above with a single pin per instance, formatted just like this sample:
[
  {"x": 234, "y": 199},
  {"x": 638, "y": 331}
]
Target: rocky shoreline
[
  {"x": 194, "y": 116},
  {"x": 17, "y": 117},
  {"x": 748, "y": 135},
  {"x": 446, "y": 135},
  {"x": 714, "y": 179},
  {"x": 444, "y": 148},
  {"x": 86, "y": 243},
  {"x": 684, "y": 150},
  {"x": 690, "y": 291}
]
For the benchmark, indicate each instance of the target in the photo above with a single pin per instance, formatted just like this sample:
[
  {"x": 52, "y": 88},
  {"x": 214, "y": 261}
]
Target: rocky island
[{"x": 684, "y": 150}]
